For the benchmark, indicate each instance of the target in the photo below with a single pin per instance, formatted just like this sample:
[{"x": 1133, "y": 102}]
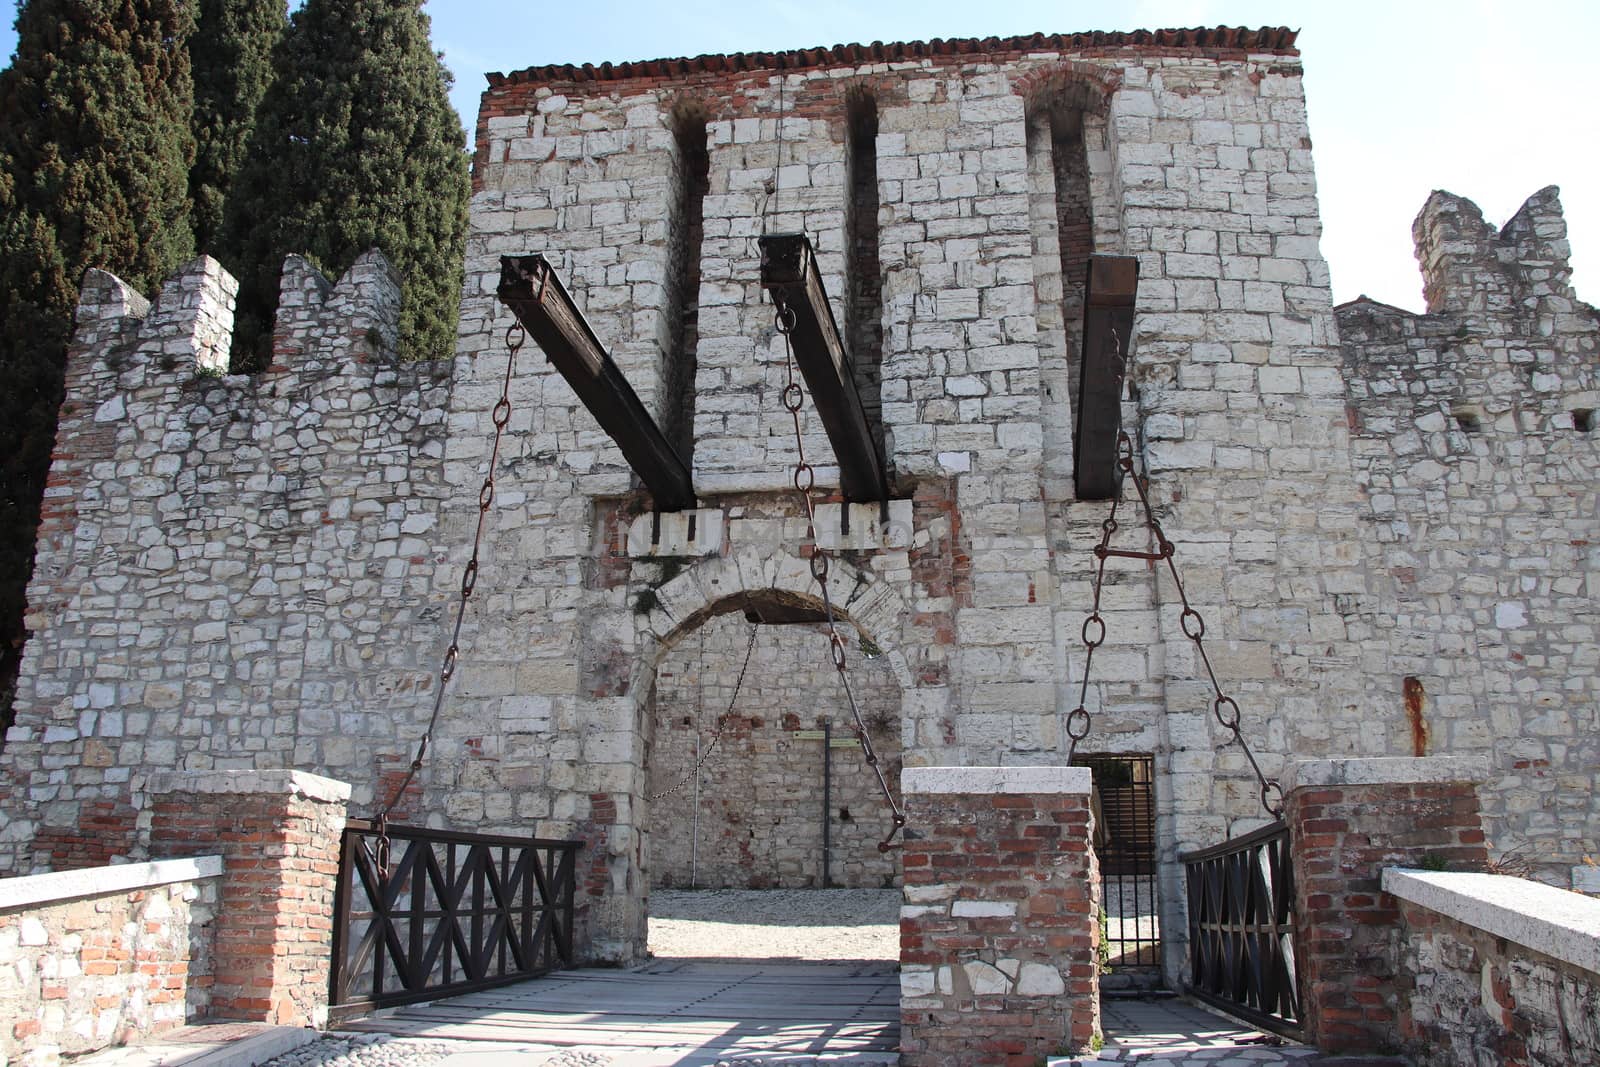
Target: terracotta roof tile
[{"x": 1279, "y": 40}]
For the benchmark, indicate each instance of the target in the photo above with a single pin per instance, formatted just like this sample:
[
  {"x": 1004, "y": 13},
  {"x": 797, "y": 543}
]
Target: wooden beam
[
  {"x": 530, "y": 288},
  {"x": 1108, "y": 305},
  {"x": 789, "y": 271}
]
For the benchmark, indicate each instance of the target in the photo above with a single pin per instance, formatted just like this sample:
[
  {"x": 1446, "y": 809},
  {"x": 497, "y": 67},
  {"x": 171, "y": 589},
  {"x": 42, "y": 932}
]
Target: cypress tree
[
  {"x": 231, "y": 52},
  {"x": 355, "y": 145},
  {"x": 95, "y": 148}
]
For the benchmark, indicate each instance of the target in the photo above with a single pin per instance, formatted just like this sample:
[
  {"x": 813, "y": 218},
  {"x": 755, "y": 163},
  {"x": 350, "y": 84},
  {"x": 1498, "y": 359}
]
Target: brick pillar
[
  {"x": 1349, "y": 819},
  {"x": 278, "y": 834},
  {"x": 998, "y": 933}
]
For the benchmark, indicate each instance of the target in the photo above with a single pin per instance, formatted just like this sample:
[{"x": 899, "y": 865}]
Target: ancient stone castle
[{"x": 1387, "y": 521}]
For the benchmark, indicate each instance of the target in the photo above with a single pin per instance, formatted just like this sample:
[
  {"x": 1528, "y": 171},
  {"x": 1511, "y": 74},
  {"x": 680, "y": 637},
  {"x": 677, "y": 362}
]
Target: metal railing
[
  {"x": 1241, "y": 929},
  {"x": 445, "y": 913}
]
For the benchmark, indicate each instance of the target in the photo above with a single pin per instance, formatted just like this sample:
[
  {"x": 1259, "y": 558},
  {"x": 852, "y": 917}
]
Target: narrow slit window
[
  {"x": 692, "y": 181},
  {"x": 863, "y": 269},
  {"x": 1074, "y": 225}
]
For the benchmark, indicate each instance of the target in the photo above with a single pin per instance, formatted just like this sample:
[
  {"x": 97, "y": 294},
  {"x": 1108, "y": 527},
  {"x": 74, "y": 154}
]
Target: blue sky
[{"x": 1489, "y": 100}]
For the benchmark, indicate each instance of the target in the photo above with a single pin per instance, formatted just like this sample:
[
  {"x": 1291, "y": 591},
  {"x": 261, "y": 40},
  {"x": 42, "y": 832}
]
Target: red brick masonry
[
  {"x": 998, "y": 932},
  {"x": 1349, "y": 935},
  {"x": 278, "y": 833}
]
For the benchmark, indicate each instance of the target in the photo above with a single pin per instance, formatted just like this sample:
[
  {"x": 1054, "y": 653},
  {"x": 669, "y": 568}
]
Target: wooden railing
[{"x": 431, "y": 913}]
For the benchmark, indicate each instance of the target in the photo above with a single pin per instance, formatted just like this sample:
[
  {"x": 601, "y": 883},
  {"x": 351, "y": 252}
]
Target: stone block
[{"x": 677, "y": 533}]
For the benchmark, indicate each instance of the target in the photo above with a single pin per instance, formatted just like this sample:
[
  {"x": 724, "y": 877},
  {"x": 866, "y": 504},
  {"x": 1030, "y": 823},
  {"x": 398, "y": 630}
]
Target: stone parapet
[
  {"x": 1348, "y": 820},
  {"x": 36, "y": 889},
  {"x": 103, "y": 956},
  {"x": 278, "y": 832},
  {"x": 1496, "y": 965},
  {"x": 998, "y": 933}
]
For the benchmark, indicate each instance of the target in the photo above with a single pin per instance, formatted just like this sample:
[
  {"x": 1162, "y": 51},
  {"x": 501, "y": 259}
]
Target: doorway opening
[
  {"x": 1125, "y": 845},
  {"x": 763, "y": 820}
]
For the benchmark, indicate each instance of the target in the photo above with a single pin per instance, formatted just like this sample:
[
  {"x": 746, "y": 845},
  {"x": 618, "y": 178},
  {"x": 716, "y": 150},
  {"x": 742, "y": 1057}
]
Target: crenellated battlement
[
  {"x": 1505, "y": 343},
  {"x": 355, "y": 319},
  {"x": 224, "y": 548},
  {"x": 1473, "y": 438},
  {"x": 1470, "y": 268},
  {"x": 189, "y": 326}
]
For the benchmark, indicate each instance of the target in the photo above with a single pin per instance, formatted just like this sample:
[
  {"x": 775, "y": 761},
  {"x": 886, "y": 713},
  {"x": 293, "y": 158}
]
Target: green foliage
[
  {"x": 95, "y": 148},
  {"x": 231, "y": 52},
  {"x": 355, "y": 145}
]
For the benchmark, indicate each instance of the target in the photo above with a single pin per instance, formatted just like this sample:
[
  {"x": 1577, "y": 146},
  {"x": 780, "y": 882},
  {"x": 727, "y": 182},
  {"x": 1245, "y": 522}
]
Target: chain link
[
  {"x": 722, "y": 721},
  {"x": 1190, "y": 621},
  {"x": 1078, "y": 719},
  {"x": 516, "y": 337},
  {"x": 805, "y": 476}
]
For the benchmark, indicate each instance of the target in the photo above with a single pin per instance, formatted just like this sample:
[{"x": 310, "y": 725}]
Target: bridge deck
[{"x": 689, "y": 1012}]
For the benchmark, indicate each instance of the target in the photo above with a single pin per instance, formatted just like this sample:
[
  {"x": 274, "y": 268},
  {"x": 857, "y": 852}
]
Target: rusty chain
[
  {"x": 516, "y": 337},
  {"x": 722, "y": 721},
  {"x": 1224, "y": 707},
  {"x": 1078, "y": 719},
  {"x": 805, "y": 480}
]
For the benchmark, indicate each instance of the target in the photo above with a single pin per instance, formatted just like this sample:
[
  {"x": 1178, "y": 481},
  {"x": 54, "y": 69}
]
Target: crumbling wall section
[{"x": 1474, "y": 439}]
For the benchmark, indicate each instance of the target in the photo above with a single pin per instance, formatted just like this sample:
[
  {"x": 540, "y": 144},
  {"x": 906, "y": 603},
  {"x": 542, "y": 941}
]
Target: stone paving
[
  {"x": 1171, "y": 1031},
  {"x": 1163, "y": 1031}
]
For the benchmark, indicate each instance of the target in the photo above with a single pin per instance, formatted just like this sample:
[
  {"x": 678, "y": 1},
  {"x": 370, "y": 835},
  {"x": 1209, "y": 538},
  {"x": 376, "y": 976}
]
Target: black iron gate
[
  {"x": 453, "y": 912},
  {"x": 1241, "y": 929},
  {"x": 1125, "y": 844}
]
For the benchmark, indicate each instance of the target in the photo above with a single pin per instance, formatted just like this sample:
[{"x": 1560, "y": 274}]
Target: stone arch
[
  {"x": 727, "y": 583},
  {"x": 1071, "y": 84}
]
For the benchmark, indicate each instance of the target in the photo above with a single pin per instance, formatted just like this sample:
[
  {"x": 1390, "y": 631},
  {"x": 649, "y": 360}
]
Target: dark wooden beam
[
  {"x": 789, "y": 271},
  {"x": 1108, "y": 304},
  {"x": 530, "y": 288}
]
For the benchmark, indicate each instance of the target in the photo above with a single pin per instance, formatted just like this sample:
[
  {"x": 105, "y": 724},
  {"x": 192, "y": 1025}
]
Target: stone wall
[
  {"x": 103, "y": 957},
  {"x": 1474, "y": 440},
  {"x": 1195, "y": 159},
  {"x": 231, "y": 571},
  {"x": 1495, "y": 969},
  {"x": 760, "y": 805}
]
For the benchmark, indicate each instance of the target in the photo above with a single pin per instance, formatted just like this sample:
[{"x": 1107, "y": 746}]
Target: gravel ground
[
  {"x": 807, "y": 924},
  {"x": 367, "y": 1050}
]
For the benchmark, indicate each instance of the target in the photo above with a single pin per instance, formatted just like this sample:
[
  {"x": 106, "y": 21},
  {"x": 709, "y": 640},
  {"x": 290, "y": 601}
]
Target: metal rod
[
  {"x": 827, "y": 796},
  {"x": 694, "y": 834}
]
